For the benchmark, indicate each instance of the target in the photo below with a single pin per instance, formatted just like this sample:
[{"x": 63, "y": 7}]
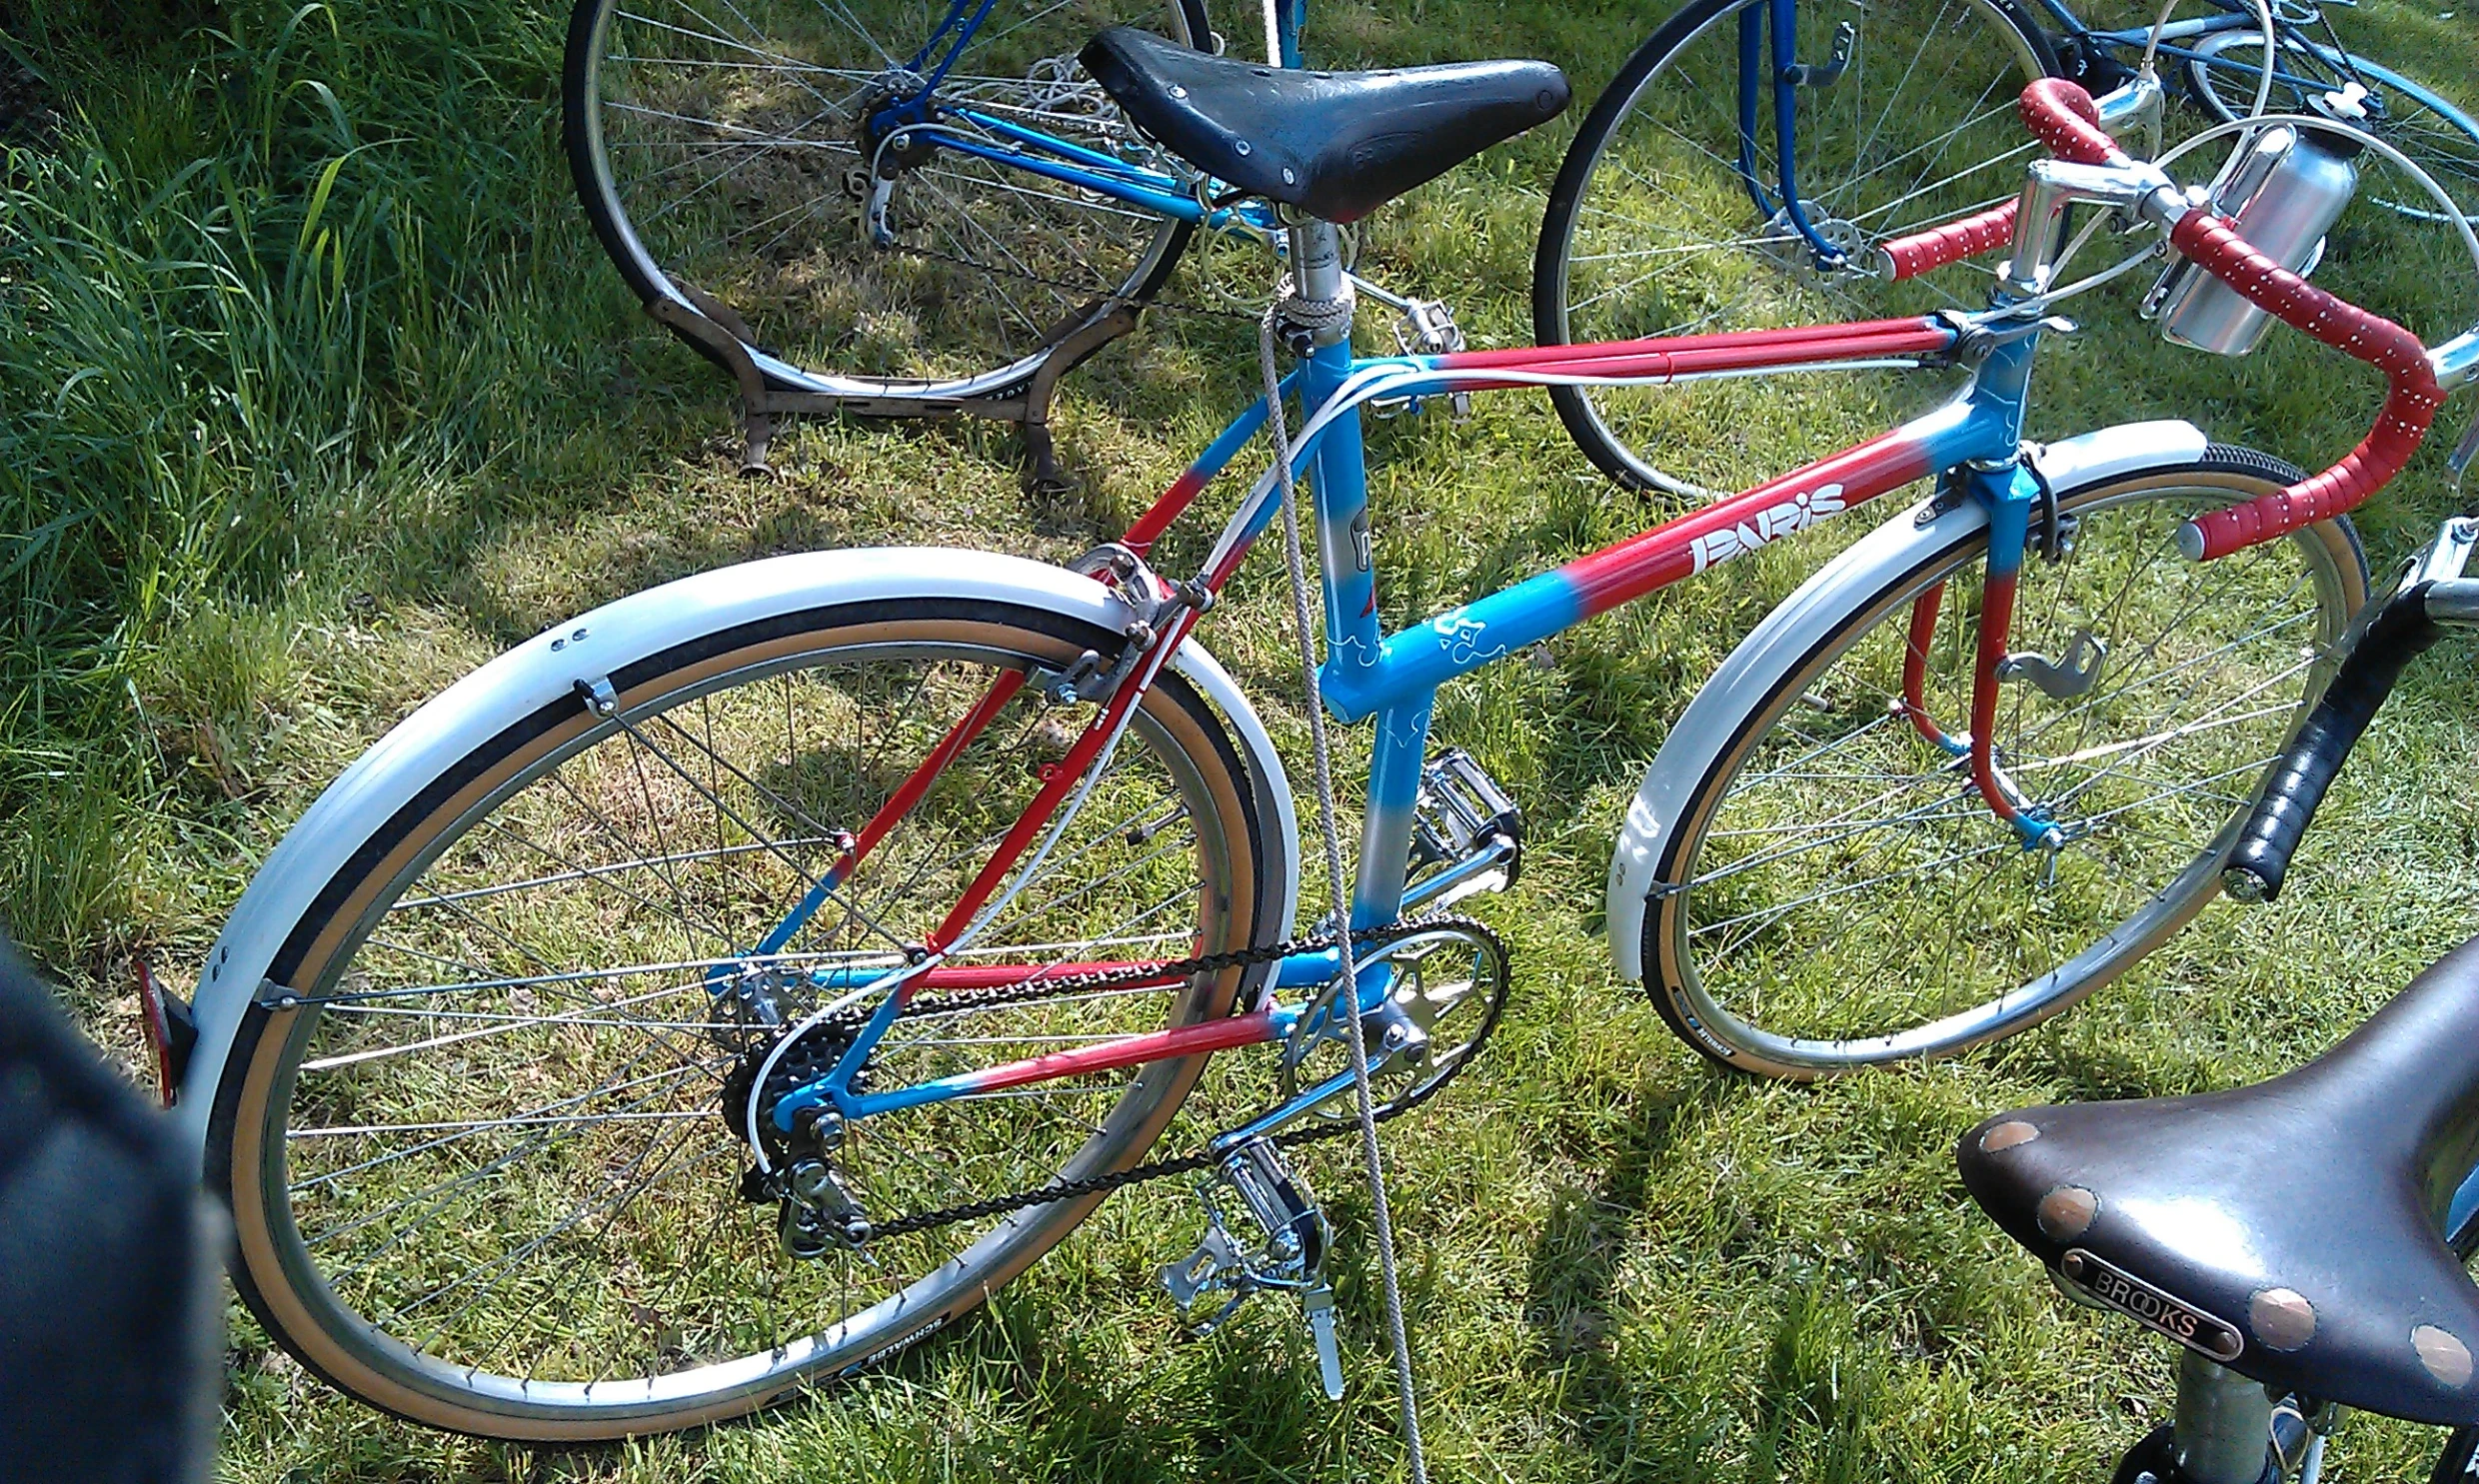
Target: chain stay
[{"x": 1103, "y": 1184}]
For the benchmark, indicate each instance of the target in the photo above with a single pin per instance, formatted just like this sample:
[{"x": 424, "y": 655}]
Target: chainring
[{"x": 1429, "y": 1005}]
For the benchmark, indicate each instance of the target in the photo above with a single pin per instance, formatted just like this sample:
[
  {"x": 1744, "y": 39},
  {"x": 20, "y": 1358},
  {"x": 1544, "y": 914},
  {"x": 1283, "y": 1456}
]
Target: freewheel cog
[{"x": 810, "y": 1056}]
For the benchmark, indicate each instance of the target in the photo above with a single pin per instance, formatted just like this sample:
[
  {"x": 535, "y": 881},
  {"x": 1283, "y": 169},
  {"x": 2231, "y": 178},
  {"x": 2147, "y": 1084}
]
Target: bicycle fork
[
  {"x": 1777, "y": 73},
  {"x": 2010, "y": 490}
]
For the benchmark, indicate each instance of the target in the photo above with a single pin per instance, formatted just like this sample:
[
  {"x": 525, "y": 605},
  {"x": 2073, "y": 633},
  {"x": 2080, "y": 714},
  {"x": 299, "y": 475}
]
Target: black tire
[
  {"x": 325, "y": 1119},
  {"x": 769, "y": 249},
  {"x": 1668, "y": 72}
]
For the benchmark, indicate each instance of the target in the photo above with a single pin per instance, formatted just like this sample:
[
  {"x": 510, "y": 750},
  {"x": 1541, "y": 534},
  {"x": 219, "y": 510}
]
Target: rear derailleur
[
  {"x": 1286, "y": 1252},
  {"x": 816, "y": 1211}
]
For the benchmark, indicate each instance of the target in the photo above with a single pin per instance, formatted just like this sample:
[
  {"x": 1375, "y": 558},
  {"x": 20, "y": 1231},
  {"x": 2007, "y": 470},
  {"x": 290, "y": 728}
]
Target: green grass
[{"x": 278, "y": 461}]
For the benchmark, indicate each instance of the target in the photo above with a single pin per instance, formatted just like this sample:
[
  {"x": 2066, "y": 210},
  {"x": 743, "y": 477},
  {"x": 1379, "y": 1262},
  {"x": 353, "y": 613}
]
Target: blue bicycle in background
[
  {"x": 1742, "y": 167},
  {"x": 910, "y": 207},
  {"x": 898, "y": 207}
]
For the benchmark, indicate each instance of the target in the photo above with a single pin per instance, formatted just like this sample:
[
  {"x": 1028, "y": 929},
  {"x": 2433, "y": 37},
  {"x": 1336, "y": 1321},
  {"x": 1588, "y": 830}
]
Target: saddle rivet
[
  {"x": 2006, "y": 1135},
  {"x": 2066, "y": 1213},
  {"x": 2281, "y": 1318},
  {"x": 1290, "y": 178},
  {"x": 1177, "y": 92},
  {"x": 2446, "y": 1358},
  {"x": 1240, "y": 144}
]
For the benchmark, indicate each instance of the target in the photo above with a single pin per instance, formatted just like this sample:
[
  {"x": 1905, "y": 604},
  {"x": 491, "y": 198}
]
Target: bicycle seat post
[
  {"x": 2223, "y": 1422},
  {"x": 1317, "y": 271}
]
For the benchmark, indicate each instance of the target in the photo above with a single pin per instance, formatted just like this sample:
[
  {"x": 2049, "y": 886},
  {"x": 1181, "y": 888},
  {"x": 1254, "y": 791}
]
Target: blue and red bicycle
[{"x": 736, "y": 984}]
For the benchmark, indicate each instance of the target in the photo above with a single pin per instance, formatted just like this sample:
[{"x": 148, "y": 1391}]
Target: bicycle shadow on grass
[{"x": 1570, "y": 1300}]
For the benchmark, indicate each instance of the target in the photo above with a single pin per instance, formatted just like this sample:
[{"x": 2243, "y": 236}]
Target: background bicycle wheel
[
  {"x": 295, "y": 511},
  {"x": 724, "y": 152}
]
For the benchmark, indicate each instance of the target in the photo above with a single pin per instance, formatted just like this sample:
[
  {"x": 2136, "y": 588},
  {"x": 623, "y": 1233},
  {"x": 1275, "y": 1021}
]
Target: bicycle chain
[{"x": 1103, "y": 1184}]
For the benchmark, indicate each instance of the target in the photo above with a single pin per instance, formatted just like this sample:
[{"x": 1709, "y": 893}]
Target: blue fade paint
[
  {"x": 781, "y": 933},
  {"x": 963, "y": 1085},
  {"x": 1345, "y": 547},
  {"x": 1398, "y": 754},
  {"x": 1118, "y": 187},
  {"x": 1227, "y": 444},
  {"x": 1984, "y": 424},
  {"x": 1398, "y": 675}
]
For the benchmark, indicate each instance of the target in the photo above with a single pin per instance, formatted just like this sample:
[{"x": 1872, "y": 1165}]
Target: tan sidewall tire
[
  {"x": 236, "y": 1139},
  {"x": 1664, "y": 923}
]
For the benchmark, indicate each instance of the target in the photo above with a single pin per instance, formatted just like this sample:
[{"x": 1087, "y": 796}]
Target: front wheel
[
  {"x": 484, "y": 1153},
  {"x": 1666, "y": 220},
  {"x": 1835, "y": 893}
]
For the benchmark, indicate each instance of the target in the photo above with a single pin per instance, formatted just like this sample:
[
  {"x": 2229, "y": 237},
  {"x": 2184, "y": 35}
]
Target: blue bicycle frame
[{"x": 1391, "y": 680}]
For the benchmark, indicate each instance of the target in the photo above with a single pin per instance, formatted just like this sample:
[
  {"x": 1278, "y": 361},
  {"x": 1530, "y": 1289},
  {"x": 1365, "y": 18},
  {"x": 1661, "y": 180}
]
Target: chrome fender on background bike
[
  {"x": 1786, "y": 634},
  {"x": 545, "y": 670}
]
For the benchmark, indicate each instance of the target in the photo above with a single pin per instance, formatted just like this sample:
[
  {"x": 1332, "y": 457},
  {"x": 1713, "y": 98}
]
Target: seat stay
[
  {"x": 1119, "y": 181},
  {"x": 964, "y": 37}
]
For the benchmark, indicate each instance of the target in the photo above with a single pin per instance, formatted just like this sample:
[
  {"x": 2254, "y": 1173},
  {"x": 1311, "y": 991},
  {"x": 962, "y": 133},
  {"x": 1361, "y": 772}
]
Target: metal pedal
[
  {"x": 1290, "y": 1255},
  {"x": 1318, "y": 1304},
  {"x": 1424, "y": 327},
  {"x": 1467, "y": 835}
]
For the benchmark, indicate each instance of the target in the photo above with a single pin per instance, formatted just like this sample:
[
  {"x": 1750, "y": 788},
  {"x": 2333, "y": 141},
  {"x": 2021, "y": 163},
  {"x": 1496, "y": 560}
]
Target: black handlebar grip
[{"x": 2296, "y": 781}]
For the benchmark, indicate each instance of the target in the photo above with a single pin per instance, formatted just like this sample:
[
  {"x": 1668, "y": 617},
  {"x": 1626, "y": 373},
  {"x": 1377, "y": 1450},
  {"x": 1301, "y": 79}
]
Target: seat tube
[
  {"x": 1339, "y": 482},
  {"x": 1399, "y": 751},
  {"x": 1338, "y": 478}
]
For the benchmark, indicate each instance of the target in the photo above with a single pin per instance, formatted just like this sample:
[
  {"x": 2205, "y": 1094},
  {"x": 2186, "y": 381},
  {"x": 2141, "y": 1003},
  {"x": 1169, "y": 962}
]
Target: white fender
[
  {"x": 1787, "y": 631},
  {"x": 547, "y": 668}
]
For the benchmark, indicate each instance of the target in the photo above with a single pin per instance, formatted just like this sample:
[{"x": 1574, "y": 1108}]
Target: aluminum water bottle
[{"x": 2288, "y": 191}]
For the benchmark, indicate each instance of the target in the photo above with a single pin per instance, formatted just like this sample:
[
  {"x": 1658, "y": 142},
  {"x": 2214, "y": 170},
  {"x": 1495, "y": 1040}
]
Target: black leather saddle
[
  {"x": 2290, "y": 1230},
  {"x": 1336, "y": 145}
]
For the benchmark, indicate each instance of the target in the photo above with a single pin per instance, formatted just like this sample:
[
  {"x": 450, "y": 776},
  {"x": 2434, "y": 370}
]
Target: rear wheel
[
  {"x": 1654, "y": 228},
  {"x": 1835, "y": 893},
  {"x": 726, "y": 156},
  {"x": 485, "y": 1156}
]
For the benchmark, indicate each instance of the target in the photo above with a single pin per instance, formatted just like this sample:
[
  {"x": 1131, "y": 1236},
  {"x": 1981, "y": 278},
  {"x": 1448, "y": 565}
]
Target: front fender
[
  {"x": 547, "y": 668},
  {"x": 1788, "y": 633}
]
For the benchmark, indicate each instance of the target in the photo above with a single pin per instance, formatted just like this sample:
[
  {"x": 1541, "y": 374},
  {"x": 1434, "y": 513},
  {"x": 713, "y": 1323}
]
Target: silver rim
[
  {"x": 1664, "y": 239},
  {"x": 516, "y": 1196},
  {"x": 1885, "y": 914},
  {"x": 2419, "y": 123},
  {"x": 720, "y": 136}
]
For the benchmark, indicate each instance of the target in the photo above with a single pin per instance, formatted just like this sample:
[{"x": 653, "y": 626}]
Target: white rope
[{"x": 1314, "y": 315}]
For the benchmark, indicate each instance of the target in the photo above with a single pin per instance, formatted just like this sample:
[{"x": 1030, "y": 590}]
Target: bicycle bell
[{"x": 2283, "y": 192}]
